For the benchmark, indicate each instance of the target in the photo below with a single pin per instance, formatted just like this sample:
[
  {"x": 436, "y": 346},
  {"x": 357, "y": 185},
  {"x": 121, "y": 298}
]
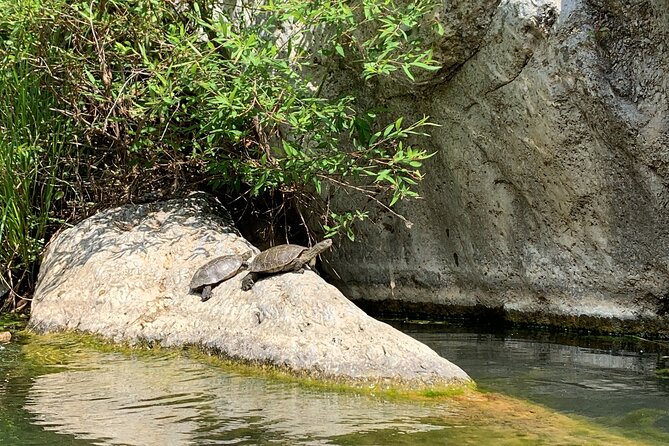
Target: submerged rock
[
  {"x": 125, "y": 274},
  {"x": 5, "y": 337}
]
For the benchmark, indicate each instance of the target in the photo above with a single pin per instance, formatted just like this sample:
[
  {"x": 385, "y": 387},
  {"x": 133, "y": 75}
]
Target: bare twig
[{"x": 366, "y": 193}]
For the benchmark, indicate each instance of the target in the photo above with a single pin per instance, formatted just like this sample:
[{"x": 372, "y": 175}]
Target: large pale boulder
[
  {"x": 548, "y": 197},
  {"x": 124, "y": 274}
]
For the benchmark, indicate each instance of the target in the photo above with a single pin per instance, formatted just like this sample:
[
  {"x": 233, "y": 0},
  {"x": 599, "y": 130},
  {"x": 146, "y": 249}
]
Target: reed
[{"x": 31, "y": 146}]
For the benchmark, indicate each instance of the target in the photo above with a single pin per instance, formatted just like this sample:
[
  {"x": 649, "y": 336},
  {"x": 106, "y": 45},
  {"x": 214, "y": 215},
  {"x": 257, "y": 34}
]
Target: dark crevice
[{"x": 526, "y": 61}]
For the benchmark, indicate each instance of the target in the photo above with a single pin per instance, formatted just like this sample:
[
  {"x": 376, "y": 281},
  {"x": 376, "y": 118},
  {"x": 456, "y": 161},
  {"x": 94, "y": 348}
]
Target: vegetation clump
[{"x": 109, "y": 101}]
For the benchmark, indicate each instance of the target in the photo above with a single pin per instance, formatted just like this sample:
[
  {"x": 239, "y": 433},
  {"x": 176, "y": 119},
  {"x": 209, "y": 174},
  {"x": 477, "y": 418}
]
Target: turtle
[
  {"x": 281, "y": 259},
  {"x": 217, "y": 270}
]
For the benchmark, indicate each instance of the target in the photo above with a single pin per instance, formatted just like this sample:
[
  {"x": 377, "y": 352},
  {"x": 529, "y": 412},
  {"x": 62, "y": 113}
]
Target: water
[
  {"x": 612, "y": 380},
  {"x": 59, "y": 392}
]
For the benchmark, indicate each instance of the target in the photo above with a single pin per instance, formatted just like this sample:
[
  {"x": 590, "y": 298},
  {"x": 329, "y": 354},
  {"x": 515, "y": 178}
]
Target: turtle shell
[
  {"x": 215, "y": 271},
  {"x": 276, "y": 259}
]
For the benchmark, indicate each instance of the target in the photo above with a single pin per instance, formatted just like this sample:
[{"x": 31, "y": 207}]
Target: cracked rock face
[
  {"x": 548, "y": 195},
  {"x": 125, "y": 274}
]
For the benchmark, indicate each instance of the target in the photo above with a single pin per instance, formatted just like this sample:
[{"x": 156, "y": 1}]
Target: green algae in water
[
  {"x": 61, "y": 348},
  {"x": 640, "y": 425},
  {"x": 17, "y": 427},
  {"x": 12, "y": 322},
  {"x": 503, "y": 421},
  {"x": 163, "y": 387}
]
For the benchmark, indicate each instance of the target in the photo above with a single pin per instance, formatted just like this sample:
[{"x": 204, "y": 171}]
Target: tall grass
[{"x": 31, "y": 145}]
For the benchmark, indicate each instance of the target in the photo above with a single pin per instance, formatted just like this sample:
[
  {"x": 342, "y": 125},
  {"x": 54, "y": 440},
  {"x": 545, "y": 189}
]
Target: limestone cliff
[{"x": 548, "y": 195}]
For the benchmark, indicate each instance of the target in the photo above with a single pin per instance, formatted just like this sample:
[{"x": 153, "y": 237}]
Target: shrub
[{"x": 153, "y": 89}]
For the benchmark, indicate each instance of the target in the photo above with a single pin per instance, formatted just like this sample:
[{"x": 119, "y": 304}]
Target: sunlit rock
[
  {"x": 125, "y": 273},
  {"x": 548, "y": 194}
]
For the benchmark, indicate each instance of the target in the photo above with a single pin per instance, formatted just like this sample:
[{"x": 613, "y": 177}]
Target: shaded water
[
  {"x": 163, "y": 398},
  {"x": 610, "y": 379}
]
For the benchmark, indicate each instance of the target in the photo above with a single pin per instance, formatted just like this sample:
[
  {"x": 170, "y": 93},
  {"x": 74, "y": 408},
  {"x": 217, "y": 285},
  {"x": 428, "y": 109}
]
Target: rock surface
[
  {"x": 124, "y": 274},
  {"x": 549, "y": 193}
]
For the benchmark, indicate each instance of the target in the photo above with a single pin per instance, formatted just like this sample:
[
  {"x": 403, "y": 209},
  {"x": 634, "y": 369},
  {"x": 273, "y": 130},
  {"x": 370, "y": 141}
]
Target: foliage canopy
[{"x": 140, "y": 91}]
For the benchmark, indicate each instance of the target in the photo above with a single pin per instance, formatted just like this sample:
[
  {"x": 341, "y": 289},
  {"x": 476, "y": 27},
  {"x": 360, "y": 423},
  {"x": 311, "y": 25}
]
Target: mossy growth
[
  {"x": 12, "y": 322},
  {"x": 461, "y": 415},
  {"x": 61, "y": 348},
  {"x": 313, "y": 380}
]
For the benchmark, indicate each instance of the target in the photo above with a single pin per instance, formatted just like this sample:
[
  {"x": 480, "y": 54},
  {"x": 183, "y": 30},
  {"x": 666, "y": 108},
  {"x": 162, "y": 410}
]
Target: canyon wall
[{"x": 548, "y": 195}]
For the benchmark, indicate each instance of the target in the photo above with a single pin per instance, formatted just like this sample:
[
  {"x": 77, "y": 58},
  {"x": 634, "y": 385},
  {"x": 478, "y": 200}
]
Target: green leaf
[
  {"x": 383, "y": 175},
  {"x": 288, "y": 148},
  {"x": 396, "y": 196},
  {"x": 388, "y": 130},
  {"x": 405, "y": 67},
  {"x": 426, "y": 66},
  {"x": 90, "y": 77}
]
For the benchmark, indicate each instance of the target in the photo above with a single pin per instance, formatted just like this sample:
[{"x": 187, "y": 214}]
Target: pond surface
[
  {"x": 55, "y": 391},
  {"x": 610, "y": 379}
]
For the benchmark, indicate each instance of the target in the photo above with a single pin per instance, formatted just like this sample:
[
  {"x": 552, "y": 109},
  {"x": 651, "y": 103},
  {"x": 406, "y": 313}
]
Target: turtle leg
[
  {"x": 248, "y": 281},
  {"x": 206, "y": 293}
]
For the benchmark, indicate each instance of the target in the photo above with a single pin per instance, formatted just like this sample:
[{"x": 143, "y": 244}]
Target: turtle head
[
  {"x": 318, "y": 248},
  {"x": 323, "y": 245},
  {"x": 245, "y": 256}
]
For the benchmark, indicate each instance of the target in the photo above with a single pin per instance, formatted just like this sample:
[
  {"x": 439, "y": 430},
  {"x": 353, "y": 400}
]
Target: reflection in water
[
  {"x": 598, "y": 383},
  {"x": 111, "y": 399},
  {"x": 178, "y": 401}
]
